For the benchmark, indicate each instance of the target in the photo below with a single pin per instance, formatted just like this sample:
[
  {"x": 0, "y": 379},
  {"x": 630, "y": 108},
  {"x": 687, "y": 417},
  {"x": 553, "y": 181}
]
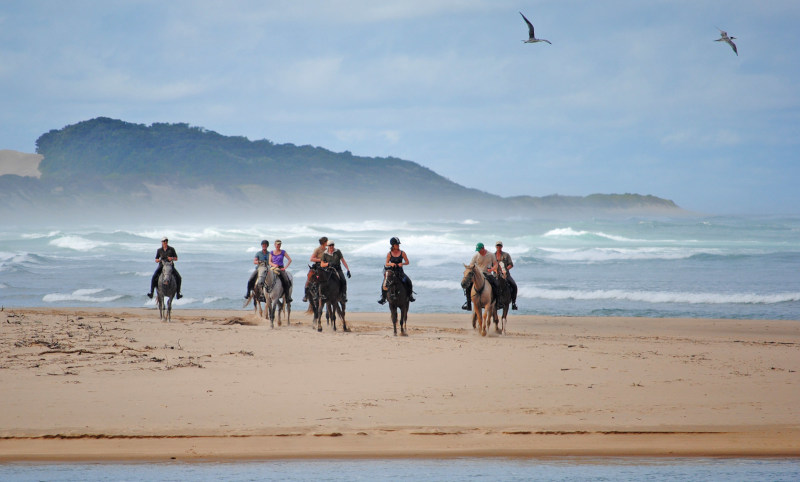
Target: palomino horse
[
  {"x": 167, "y": 287},
  {"x": 503, "y": 298},
  {"x": 398, "y": 299},
  {"x": 481, "y": 294}
]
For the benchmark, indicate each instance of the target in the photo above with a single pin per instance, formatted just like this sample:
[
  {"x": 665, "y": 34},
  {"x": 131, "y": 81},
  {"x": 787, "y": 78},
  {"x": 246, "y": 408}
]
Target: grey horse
[
  {"x": 167, "y": 287},
  {"x": 277, "y": 300}
]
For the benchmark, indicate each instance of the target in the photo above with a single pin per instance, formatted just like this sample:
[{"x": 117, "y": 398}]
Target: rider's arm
[
  {"x": 269, "y": 260},
  {"x": 286, "y": 255},
  {"x": 345, "y": 264},
  {"x": 405, "y": 258},
  {"x": 388, "y": 255}
]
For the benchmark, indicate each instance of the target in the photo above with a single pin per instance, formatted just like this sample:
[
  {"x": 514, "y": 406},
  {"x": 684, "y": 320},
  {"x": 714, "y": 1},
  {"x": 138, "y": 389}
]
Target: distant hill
[{"x": 109, "y": 168}]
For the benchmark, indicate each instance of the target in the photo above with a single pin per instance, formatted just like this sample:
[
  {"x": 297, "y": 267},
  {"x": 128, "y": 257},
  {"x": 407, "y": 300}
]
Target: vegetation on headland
[{"x": 103, "y": 163}]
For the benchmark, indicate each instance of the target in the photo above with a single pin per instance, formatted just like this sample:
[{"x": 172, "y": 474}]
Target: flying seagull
[
  {"x": 531, "y": 37},
  {"x": 723, "y": 37}
]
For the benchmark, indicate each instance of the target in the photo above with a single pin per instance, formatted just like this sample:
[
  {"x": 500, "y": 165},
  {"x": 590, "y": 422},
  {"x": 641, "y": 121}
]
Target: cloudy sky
[{"x": 632, "y": 95}]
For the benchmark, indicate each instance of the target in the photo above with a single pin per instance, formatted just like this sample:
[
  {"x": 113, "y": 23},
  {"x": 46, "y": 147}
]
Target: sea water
[
  {"x": 456, "y": 469},
  {"x": 713, "y": 267}
]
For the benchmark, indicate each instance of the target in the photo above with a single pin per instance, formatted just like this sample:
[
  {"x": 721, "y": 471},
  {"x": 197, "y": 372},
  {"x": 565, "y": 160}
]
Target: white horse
[
  {"x": 503, "y": 298},
  {"x": 167, "y": 287},
  {"x": 481, "y": 294},
  {"x": 277, "y": 300}
]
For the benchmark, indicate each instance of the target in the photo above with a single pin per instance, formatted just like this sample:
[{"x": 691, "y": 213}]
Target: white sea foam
[
  {"x": 77, "y": 243},
  {"x": 82, "y": 295},
  {"x": 657, "y": 297},
  {"x": 617, "y": 254},
  {"x": 438, "y": 284},
  {"x": 569, "y": 232},
  {"x": 210, "y": 299},
  {"x": 40, "y": 235}
]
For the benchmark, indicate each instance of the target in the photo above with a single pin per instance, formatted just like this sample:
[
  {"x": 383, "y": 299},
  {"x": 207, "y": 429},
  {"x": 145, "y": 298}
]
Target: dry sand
[{"x": 118, "y": 384}]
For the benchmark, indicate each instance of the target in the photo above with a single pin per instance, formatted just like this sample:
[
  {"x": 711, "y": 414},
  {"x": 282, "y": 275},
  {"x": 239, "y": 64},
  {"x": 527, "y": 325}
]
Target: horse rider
[
  {"x": 396, "y": 259},
  {"x": 316, "y": 258},
  {"x": 501, "y": 255},
  {"x": 167, "y": 253},
  {"x": 333, "y": 258},
  {"x": 487, "y": 264},
  {"x": 260, "y": 257},
  {"x": 276, "y": 260}
]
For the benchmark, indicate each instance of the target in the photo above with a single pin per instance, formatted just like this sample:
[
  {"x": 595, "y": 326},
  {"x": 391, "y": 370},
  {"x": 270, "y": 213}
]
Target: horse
[
  {"x": 167, "y": 287},
  {"x": 481, "y": 295},
  {"x": 258, "y": 291},
  {"x": 315, "y": 279},
  {"x": 503, "y": 298},
  {"x": 398, "y": 299},
  {"x": 276, "y": 299},
  {"x": 330, "y": 297}
]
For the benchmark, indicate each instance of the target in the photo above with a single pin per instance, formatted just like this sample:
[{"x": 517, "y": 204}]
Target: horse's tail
[{"x": 247, "y": 301}]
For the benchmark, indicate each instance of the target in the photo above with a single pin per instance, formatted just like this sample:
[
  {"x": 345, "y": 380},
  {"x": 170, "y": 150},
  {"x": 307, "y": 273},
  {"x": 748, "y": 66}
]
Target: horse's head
[
  {"x": 502, "y": 272},
  {"x": 466, "y": 280}
]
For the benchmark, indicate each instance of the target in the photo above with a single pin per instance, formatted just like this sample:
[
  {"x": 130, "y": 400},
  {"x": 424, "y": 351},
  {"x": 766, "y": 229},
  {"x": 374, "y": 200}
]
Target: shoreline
[{"x": 83, "y": 384}]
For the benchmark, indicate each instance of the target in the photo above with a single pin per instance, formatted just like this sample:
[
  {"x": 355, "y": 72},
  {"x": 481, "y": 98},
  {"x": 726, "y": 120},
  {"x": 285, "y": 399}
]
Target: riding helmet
[
  {"x": 264, "y": 241},
  {"x": 394, "y": 240}
]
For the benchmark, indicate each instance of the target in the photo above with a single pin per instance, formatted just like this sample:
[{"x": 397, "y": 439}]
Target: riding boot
[
  {"x": 410, "y": 289},
  {"x": 513, "y": 295},
  {"x": 153, "y": 283},
  {"x": 305, "y": 292},
  {"x": 343, "y": 287},
  {"x": 285, "y": 284},
  {"x": 179, "y": 295},
  {"x": 383, "y": 297},
  {"x": 468, "y": 305}
]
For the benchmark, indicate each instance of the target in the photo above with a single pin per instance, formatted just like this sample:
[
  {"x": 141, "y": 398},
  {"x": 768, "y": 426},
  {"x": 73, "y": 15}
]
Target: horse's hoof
[{"x": 404, "y": 334}]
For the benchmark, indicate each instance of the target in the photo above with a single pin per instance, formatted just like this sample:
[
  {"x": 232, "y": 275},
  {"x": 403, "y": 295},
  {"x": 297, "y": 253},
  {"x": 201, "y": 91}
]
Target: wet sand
[{"x": 119, "y": 384}]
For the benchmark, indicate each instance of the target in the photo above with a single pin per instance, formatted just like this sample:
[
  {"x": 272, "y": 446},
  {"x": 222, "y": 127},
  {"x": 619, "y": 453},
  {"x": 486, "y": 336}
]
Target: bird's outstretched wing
[{"x": 530, "y": 26}]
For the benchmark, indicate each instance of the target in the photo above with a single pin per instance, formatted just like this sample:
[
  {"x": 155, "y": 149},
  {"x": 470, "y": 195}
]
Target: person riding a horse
[
  {"x": 316, "y": 258},
  {"x": 260, "y": 257},
  {"x": 487, "y": 263},
  {"x": 396, "y": 259},
  {"x": 505, "y": 258},
  {"x": 276, "y": 260},
  {"x": 333, "y": 258},
  {"x": 167, "y": 253}
]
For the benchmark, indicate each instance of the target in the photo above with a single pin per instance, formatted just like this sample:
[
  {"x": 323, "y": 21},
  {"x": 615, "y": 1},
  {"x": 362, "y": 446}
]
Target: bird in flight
[
  {"x": 531, "y": 37},
  {"x": 723, "y": 37}
]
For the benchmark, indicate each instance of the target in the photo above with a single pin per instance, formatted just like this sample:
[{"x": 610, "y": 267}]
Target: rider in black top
[
  {"x": 167, "y": 253},
  {"x": 396, "y": 259}
]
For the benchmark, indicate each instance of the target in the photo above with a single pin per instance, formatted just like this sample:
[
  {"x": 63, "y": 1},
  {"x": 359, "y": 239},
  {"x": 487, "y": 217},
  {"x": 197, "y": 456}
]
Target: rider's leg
[
  {"x": 154, "y": 280},
  {"x": 285, "y": 284},
  {"x": 342, "y": 285},
  {"x": 410, "y": 288},
  {"x": 251, "y": 283},
  {"x": 178, "y": 280},
  {"x": 383, "y": 290},
  {"x": 468, "y": 305},
  {"x": 513, "y": 293},
  {"x": 305, "y": 288}
]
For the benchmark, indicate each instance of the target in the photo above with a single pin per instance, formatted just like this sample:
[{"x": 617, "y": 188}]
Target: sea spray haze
[{"x": 719, "y": 267}]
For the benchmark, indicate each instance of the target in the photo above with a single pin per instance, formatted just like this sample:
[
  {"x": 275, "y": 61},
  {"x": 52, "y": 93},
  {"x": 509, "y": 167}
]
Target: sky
[{"x": 632, "y": 96}]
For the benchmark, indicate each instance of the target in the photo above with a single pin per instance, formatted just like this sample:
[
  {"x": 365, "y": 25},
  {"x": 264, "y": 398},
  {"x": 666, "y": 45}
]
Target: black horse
[
  {"x": 398, "y": 299},
  {"x": 324, "y": 291}
]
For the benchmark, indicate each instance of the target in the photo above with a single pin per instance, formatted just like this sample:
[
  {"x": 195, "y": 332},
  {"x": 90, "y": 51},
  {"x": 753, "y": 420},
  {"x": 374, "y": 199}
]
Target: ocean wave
[
  {"x": 40, "y": 235},
  {"x": 621, "y": 254},
  {"x": 438, "y": 284},
  {"x": 658, "y": 297},
  {"x": 82, "y": 295},
  {"x": 19, "y": 261},
  {"x": 76, "y": 243},
  {"x": 571, "y": 233}
]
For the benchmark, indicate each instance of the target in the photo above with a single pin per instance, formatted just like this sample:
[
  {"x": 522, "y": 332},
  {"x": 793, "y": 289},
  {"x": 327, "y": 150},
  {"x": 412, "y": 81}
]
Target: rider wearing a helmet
[
  {"x": 261, "y": 257},
  {"x": 396, "y": 259}
]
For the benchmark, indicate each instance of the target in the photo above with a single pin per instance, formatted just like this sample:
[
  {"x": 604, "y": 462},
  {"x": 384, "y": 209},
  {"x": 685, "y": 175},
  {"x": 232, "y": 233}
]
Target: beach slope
[{"x": 118, "y": 384}]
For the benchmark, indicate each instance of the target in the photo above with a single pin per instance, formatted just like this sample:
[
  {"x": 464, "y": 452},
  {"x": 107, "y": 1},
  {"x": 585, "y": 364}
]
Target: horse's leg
[
  {"x": 341, "y": 306},
  {"x": 404, "y": 319},
  {"x": 393, "y": 314}
]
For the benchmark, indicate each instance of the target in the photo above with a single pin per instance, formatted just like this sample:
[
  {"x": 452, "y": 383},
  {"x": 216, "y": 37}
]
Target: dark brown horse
[
  {"x": 324, "y": 292},
  {"x": 503, "y": 298},
  {"x": 398, "y": 299}
]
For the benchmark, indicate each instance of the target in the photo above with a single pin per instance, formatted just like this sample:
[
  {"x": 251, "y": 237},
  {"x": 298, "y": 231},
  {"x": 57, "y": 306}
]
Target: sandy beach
[{"x": 119, "y": 384}]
